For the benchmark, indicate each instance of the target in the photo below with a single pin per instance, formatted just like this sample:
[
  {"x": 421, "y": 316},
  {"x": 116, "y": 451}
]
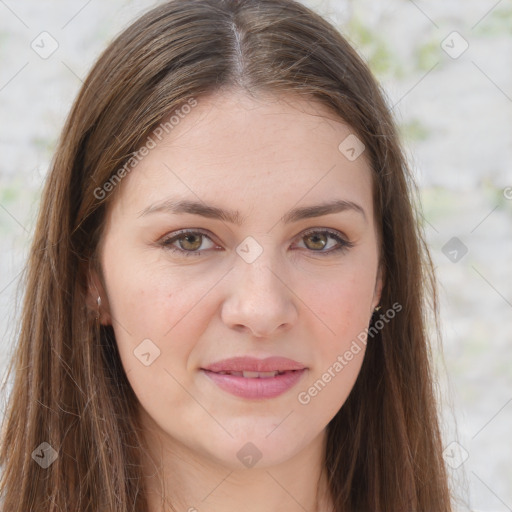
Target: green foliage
[
  {"x": 414, "y": 130},
  {"x": 373, "y": 48},
  {"x": 426, "y": 55},
  {"x": 497, "y": 22}
]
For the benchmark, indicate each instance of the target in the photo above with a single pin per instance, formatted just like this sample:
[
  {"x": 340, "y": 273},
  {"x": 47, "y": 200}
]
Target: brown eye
[
  {"x": 318, "y": 241},
  {"x": 187, "y": 243},
  {"x": 325, "y": 242},
  {"x": 190, "y": 242}
]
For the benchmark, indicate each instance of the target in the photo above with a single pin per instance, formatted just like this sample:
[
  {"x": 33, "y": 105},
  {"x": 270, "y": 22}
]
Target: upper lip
[{"x": 253, "y": 364}]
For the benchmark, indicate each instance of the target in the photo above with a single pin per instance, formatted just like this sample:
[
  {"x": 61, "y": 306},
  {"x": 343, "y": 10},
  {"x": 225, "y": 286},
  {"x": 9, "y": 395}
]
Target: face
[{"x": 187, "y": 287}]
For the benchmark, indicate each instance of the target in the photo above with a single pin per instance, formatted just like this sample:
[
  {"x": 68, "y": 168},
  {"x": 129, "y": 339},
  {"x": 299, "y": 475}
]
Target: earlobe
[
  {"x": 97, "y": 301},
  {"x": 379, "y": 284}
]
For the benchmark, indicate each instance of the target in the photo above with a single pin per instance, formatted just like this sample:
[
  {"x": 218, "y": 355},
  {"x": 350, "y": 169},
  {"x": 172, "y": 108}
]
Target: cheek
[
  {"x": 327, "y": 389},
  {"x": 159, "y": 313},
  {"x": 342, "y": 304},
  {"x": 149, "y": 298},
  {"x": 157, "y": 323},
  {"x": 135, "y": 298}
]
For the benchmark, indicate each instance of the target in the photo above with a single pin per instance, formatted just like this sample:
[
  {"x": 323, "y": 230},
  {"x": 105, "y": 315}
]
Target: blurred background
[{"x": 446, "y": 68}]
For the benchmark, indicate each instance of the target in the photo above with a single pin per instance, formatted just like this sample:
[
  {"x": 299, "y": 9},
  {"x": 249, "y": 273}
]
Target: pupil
[
  {"x": 187, "y": 239},
  {"x": 322, "y": 242}
]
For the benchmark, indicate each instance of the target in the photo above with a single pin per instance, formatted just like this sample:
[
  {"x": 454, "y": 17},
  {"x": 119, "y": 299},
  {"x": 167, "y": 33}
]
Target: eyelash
[{"x": 343, "y": 246}]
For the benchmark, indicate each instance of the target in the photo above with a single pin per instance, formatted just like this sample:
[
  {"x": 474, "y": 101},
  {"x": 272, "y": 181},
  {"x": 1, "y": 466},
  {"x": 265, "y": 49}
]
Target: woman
[{"x": 227, "y": 292}]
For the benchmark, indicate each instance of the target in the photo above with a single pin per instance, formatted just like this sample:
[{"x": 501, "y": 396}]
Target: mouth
[
  {"x": 252, "y": 367},
  {"x": 255, "y": 387},
  {"x": 255, "y": 375}
]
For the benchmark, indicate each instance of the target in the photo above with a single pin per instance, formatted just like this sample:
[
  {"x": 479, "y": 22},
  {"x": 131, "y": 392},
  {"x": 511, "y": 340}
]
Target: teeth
[
  {"x": 261, "y": 375},
  {"x": 253, "y": 375},
  {"x": 266, "y": 375}
]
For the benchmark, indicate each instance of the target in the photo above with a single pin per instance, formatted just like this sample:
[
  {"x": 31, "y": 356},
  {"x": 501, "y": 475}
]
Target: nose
[{"x": 260, "y": 301}]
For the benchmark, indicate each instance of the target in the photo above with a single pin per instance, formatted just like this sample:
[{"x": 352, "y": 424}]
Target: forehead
[{"x": 256, "y": 152}]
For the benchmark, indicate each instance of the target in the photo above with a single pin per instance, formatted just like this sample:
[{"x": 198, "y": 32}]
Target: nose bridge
[
  {"x": 256, "y": 271},
  {"x": 258, "y": 298}
]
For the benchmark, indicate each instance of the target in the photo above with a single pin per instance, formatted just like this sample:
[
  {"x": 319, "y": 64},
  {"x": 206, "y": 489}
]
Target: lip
[
  {"x": 255, "y": 387},
  {"x": 253, "y": 364}
]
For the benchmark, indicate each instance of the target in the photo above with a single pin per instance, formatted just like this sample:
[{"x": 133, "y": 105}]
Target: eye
[
  {"x": 317, "y": 240},
  {"x": 188, "y": 242}
]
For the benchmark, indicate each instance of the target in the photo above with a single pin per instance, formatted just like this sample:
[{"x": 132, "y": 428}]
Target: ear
[
  {"x": 379, "y": 284},
  {"x": 95, "y": 289}
]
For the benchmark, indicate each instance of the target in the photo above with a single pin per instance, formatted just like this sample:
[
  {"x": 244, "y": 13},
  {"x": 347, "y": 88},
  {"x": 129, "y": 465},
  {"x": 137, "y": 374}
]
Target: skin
[{"x": 262, "y": 157}]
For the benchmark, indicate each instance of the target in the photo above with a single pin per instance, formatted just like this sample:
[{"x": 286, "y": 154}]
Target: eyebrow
[{"x": 234, "y": 217}]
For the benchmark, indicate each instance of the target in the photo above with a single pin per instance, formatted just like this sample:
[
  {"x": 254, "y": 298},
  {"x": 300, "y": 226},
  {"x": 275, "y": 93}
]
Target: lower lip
[{"x": 256, "y": 388}]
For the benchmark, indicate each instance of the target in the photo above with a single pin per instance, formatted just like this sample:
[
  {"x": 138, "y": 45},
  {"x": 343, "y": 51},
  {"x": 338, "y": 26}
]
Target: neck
[{"x": 180, "y": 478}]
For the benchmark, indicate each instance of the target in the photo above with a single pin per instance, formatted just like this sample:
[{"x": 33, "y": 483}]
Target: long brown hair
[{"x": 69, "y": 388}]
